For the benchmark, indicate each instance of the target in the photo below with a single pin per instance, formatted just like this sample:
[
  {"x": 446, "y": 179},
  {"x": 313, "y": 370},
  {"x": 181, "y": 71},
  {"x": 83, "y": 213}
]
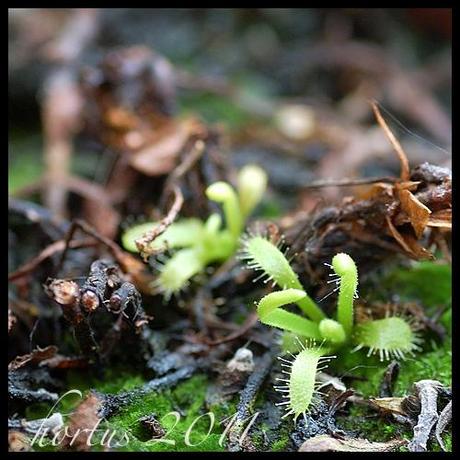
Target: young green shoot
[
  {"x": 269, "y": 313},
  {"x": 347, "y": 279},
  {"x": 197, "y": 244},
  {"x": 389, "y": 337}
]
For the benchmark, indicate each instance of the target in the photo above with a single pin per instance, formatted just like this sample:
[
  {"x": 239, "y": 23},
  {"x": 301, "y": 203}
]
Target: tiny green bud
[
  {"x": 252, "y": 183},
  {"x": 332, "y": 330},
  {"x": 221, "y": 192}
]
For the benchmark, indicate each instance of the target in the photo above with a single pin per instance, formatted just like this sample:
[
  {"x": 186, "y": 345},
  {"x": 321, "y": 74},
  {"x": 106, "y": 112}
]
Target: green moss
[
  {"x": 188, "y": 400},
  {"x": 370, "y": 425},
  {"x": 428, "y": 282},
  {"x": 435, "y": 364},
  {"x": 280, "y": 444}
]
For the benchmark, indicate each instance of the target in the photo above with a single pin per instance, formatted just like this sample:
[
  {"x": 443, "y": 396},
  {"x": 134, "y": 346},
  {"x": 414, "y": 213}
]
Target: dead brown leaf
[
  {"x": 81, "y": 422},
  {"x": 408, "y": 243},
  {"x": 389, "y": 405},
  {"x": 18, "y": 442},
  {"x": 160, "y": 154},
  {"x": 326, "y": 443},
  {"x": 442, "y": 218},
  {"x": 417, "y": 212},
  {"x": 38, "y": 355}
]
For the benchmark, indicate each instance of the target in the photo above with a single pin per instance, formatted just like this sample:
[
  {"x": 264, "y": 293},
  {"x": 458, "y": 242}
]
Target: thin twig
[
  {"x": 405, "y": 171},
  {"x": 50, "y": 250},
  {"x": 144, "y": 241},
  {"x": 245, "y": 327},
  {"x": 349, "y": 182}
]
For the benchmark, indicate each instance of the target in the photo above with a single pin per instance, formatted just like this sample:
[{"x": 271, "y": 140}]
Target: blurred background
[{"x": 289, "y": 88}]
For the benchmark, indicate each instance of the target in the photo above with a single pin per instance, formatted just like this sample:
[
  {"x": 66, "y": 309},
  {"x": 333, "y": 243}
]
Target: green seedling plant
[
  {"x": 196, "y": 244},
  {"x": 391, "y": 337}
]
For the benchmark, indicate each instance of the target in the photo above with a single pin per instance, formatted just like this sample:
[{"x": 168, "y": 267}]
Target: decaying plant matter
[{"x": 387, "y": 219}]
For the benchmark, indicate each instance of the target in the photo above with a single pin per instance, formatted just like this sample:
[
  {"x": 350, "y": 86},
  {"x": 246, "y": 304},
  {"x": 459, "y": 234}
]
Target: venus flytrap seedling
[
  {"x": 270, "y": 313},
  {"x": 347, "y": 279},
  {"x": 197, "y": 244},
  {"x": 390, "y": 337}
]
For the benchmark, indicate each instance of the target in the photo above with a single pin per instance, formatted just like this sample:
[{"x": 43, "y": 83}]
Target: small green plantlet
[
  {"x": 390, "y": 337},
  {"x": 197, "y": 244},
  {"x": 300, "y": 388}
]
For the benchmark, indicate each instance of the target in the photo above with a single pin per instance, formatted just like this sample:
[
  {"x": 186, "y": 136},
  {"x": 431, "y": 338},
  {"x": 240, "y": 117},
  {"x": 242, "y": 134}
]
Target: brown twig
[
  {"x": 144, "y": 241},
  {"x": 405, "y": 170},
  {"x": 245, "y": 327},
  {"x": 50, "y": 250},
  {"x": 116, "y": 251},
  {"x": 66, "y": 294},
  {"x": 349, "y": 182}
]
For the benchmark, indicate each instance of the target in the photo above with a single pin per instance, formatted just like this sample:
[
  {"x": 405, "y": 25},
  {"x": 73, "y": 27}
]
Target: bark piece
[{"x": 326, "y": 443}]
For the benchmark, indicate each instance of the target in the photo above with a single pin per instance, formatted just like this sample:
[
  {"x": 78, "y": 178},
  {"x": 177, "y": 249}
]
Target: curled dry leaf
[
  {"x": 427, "y": 392},
  {"x": 326, "y": 443},
  {"x": 389, "y": 405},
  {"x": 417, "y": 212},
  {"x": 442, "y": 219}
]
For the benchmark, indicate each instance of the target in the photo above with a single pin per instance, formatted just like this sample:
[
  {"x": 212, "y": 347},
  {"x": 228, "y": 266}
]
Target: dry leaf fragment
[
  {"x": 409, "y": 243},
  {"x": 81, "y": 422},
  {"x": 38, "y": 355},
  {"x": 418, "y": 213},
  {"x": 442, "y": 218},
  {"x": 18, "y": 442},
  {"x": 326, "y": 443},
  {"x": 160, "y": 155},
  {"x": 390, "y": 404},
  {"x": 427, "y": 392}
]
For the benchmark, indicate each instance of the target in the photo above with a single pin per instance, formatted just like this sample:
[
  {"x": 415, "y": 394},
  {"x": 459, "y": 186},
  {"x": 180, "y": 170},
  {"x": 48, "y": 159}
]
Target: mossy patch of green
[
  {"x": 428, "y": 282},
  {"x": 181, "y": 412}
]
